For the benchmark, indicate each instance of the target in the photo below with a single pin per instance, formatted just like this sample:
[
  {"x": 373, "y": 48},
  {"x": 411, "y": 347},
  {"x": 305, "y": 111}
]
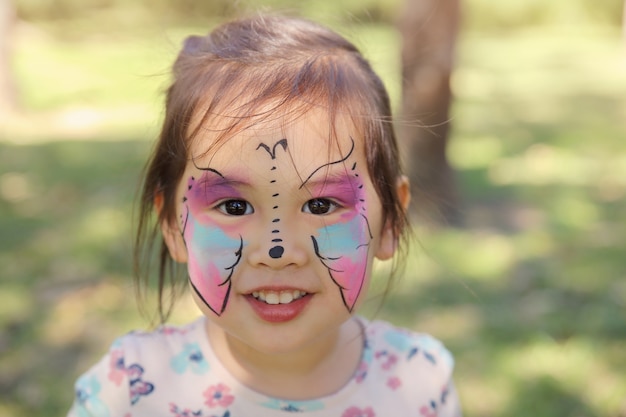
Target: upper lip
[{"x": 277, "y": 288}]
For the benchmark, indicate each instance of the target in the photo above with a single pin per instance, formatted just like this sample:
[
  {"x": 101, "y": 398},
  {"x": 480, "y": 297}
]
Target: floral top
[{"x": 174, "y": 372}]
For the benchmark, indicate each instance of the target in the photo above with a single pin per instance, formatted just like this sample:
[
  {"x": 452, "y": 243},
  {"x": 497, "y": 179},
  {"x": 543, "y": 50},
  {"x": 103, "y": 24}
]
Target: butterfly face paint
[
  {"x": 277, "y": 249},
  {"x": 343, "y": 247},
  {"x": 324, "y": 214},
  {"x": 213, "y": 250}
]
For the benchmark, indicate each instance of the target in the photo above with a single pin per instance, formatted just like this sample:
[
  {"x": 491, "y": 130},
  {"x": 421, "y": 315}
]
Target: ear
[
  {"x": 388, "y": 241},
  {"x": 171, "y": 234}
]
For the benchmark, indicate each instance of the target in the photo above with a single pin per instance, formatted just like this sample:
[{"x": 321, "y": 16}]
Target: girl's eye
[
  {"x": 319, "y": 206},
  {"x": 236, "y": 207}
]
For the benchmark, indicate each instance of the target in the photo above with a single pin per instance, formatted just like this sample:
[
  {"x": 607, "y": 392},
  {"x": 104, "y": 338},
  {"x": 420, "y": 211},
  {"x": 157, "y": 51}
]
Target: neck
[{"x": 323, "y": 367}]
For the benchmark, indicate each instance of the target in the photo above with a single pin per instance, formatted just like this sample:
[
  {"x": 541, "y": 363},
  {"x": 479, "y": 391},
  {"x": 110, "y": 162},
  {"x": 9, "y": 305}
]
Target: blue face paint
[{"x": 213, "y": 253}]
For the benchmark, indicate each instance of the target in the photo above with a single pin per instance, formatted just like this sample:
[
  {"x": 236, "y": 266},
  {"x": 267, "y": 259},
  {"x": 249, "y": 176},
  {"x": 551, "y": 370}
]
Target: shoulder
[
  {"x": 166, "y": 352},
  {"x": 409, "y": 346},
  {"x": 413, "y": 369},
  {"x": 162, "y": 342},
  {"x": 135, "y": 366}
]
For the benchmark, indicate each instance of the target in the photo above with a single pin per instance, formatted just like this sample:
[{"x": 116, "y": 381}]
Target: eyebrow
[
  {"x": 220, "y": 179},
  {"x": 212, "y": 186},
  {"x": 331, "y": 163},
  {"x": 339, "y": 179}
]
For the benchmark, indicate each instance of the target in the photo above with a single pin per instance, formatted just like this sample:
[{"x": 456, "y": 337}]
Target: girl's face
[{"x": 279, "y": 227}]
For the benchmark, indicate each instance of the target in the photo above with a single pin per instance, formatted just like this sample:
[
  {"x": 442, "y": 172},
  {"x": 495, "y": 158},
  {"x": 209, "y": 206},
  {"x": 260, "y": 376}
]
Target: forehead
[{"x": 313, "y": 136}]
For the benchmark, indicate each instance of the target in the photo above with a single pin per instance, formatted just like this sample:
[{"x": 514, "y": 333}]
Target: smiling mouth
[{"x": 278, "y": 297}]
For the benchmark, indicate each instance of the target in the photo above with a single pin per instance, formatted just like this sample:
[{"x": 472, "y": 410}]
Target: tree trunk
[{"x": 429, "y": 31}]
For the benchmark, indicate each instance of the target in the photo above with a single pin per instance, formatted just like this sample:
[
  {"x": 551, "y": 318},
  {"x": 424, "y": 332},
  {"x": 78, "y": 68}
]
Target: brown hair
[{"x": 237, "y": 71}]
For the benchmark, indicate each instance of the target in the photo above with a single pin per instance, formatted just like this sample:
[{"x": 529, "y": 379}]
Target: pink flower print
[
  {"x": 117, "y": 370},
  {"x": 391, "y": 360},
  {"x": 394, "y": 382},
  {"x": 171, "y": 330},
  {"x": 429, "y": 410},
  {"x": 179, "y": 412},
  {"x": 358, "y": 412},
  {"x": 218, "y": 395}
]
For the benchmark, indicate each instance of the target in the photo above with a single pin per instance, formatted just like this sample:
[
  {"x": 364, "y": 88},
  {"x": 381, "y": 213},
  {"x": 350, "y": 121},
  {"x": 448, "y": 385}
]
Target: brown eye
[
  {"x": 236, "y": 207},
  {"x": 319, "y": 206}
]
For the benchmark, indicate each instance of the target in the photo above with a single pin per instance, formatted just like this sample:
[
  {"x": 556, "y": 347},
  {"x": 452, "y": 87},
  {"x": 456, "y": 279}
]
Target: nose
[{"x": 277, "y": 248}]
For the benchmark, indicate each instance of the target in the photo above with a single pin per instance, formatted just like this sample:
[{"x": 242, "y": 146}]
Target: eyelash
[
  {"x": 222, "y": 207},
  {"x": 306, "y": 208},
  {"x": 327, "y": 204}
]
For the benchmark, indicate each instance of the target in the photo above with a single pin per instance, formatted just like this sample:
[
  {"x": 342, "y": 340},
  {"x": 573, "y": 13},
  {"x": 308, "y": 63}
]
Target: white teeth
[
  {"x": 282, "y": 297},
  {"x": 272, "y": 298},
  {"x": 286, "y": 297}
]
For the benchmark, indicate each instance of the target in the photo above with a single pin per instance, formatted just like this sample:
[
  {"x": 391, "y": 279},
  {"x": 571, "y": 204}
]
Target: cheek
[
  {"x": 344, "y": 249},
  {"x": 208, "y": 242},
  {"x": 213, "y": 255},
  {"x": 344, "y": 239}
]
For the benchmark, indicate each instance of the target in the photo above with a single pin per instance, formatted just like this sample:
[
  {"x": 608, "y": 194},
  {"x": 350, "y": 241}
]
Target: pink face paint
[
  {"x": 213, "y": 251},
  {"x": 203, "y": 193},
  {"x": 343, "y": 247},
  {"x": 341, "y": 188}
]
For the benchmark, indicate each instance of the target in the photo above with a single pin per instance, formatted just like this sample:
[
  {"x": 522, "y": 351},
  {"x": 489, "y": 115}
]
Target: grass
[{"x": 530, "y": 295}]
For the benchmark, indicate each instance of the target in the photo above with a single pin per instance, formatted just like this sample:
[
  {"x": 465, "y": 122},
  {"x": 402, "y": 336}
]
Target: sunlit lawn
[{"x": 530, "y": 296}]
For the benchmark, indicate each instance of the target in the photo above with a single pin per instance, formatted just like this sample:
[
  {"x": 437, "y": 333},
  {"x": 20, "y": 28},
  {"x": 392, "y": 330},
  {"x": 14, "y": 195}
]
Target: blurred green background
[{"x": 530, "y": 296}]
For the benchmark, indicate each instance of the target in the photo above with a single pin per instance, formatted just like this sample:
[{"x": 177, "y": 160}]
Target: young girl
[{"x": 276, "y": 183}]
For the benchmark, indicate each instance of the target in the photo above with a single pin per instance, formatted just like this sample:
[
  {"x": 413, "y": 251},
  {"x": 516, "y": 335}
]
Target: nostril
[{"x": 276, "y": 252}]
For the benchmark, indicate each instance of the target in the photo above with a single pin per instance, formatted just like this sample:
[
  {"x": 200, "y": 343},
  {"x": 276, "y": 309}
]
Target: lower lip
[{"x": 279, "y": 313}]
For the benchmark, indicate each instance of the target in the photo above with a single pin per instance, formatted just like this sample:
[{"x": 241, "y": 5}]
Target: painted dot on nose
[{"x": 276, "y": 252}]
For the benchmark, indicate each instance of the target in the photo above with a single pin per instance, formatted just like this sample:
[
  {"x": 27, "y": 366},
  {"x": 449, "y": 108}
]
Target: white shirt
[{"x": 174, "y": 372}]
